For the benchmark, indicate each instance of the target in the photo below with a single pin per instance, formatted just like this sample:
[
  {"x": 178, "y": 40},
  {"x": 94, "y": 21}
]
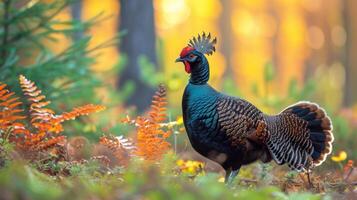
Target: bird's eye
[{"x": 191, "y": 56}]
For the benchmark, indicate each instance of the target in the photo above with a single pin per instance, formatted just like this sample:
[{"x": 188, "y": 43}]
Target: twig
[
  {"x": 247, "y": 180},
  {"x": 349, "y": 173}
]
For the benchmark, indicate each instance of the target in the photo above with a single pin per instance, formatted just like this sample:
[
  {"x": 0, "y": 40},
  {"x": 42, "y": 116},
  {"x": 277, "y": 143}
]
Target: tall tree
[
  {"x": 76, "y": 13},
  {"x": 225, "y": 24},
  {"x": 137, "y": 20},
  {"x": 350, "y": 93}
]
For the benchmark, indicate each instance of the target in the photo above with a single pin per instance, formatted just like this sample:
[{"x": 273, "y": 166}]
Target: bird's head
[{"x": 192, "y": 56}]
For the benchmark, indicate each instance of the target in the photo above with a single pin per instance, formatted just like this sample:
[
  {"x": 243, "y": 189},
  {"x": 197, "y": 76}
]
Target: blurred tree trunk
[
  {"x": 227, "y": 36},
  {"x": 350, "y": 17},
  {"x": 137, "y": 20},
  {"x": 76, "y": 13}
]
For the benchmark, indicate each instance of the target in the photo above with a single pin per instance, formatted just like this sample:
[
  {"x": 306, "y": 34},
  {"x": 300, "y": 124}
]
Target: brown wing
[{"x": 239, "y": 120}]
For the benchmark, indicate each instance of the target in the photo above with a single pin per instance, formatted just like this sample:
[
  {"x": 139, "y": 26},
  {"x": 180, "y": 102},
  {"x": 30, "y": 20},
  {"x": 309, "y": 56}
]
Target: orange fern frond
[
  {"x": 10, "y": 112},
  {"x": 151, "y": 138},
  {"x": 49, "y": 143},
  {"x": 38, "y": 142},
  {"x": 158, "y": 105},
  {"x": 40, "y": 117},
  {"x": 117, "y": 143},
  {"x": 121, "y": 147},
  {"x": 79, "y": 111},
  {"x": 44, "y": 119},
  {"x": 47, "y": 123}
]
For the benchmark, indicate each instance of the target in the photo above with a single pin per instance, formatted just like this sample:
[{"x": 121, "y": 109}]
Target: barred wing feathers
[{"x": 238, "y": 119}]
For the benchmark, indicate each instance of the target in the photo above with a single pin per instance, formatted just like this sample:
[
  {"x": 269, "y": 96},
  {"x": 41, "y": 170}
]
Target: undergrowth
[{"x": 39, "y": 162}]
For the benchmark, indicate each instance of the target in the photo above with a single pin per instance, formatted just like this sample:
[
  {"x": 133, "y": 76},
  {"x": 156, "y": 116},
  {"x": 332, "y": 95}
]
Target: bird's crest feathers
[{"x": 203, "y": 43}]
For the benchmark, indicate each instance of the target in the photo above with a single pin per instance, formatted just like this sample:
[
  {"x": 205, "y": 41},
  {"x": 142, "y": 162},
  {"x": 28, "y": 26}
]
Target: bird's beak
[{"x": 179, "y": 59}]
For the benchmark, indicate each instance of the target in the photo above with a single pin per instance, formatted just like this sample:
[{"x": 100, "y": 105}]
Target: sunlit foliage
[
  {"x": 45, "y": 127},
  {"x": 151, "y": 139}
]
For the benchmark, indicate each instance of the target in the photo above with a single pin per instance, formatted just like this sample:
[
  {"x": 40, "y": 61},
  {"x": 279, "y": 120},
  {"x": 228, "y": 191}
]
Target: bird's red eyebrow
[{"x": 186, "y": 51}]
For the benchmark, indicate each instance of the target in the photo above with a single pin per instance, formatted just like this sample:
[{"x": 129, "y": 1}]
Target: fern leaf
[
  {"x": 44, "y": 120},
  {"x": 9, "y": 111},
  {"x": 150, "y": 137},
  {"x": 121, "y": 147},
  {"x": 158, "y": 104},
  {"x": 40, "y": 116},
  {"x": 79, "y": 111},
  {"x": 117, "y": 143},
  {"x": 49, "y": 143}
]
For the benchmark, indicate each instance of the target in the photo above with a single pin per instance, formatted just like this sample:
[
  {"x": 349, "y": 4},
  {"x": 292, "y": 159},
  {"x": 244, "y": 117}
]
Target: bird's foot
[{"x": 230, "y": 175}]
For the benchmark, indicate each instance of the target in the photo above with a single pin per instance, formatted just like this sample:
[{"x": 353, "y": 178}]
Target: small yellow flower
[
  {"x": 190, "y": 166},
  {"x": 221, "y": 180},
  {"x": 179, "y": 120},
  {"x": 191, "y": 169},
  {"x": 180, "y": 162},
  {"x": 342, "y": 155}
]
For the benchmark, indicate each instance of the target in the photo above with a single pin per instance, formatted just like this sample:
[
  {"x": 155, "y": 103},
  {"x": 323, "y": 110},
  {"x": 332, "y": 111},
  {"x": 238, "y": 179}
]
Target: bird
[{"x": 233, "y": 132}]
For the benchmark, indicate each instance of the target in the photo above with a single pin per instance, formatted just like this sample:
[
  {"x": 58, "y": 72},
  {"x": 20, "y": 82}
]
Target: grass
[{"x": 159, "y": 180}]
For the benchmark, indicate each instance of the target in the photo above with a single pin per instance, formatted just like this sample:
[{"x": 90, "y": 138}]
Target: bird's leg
[
  {"x": 228, "y": 172},
  {"x": 230, "y": 175},
  {"x": 309, "y": 180}
]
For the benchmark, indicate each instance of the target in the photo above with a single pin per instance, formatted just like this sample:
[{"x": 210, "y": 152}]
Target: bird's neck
[{"x": 200, "y": 73}]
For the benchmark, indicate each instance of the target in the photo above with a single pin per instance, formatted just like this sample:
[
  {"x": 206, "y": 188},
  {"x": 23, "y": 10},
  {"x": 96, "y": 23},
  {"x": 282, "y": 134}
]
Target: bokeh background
[
  {"x": 116, "y": 52},
  {"x": 302, "y": 40}
]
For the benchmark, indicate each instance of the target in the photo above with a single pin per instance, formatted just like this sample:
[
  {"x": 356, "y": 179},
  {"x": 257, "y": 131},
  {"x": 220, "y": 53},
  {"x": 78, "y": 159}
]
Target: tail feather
[
  {"x": 301, "y": 135},
  {"x": 319, "y": 127}
]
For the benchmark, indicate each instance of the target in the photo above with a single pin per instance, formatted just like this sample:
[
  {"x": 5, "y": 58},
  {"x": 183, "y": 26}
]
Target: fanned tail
[{"x": 301, "y": 135}]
